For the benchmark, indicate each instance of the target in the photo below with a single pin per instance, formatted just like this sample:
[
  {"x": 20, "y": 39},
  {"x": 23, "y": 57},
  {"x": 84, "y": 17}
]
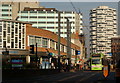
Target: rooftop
[{"x": 9, "y": 20}]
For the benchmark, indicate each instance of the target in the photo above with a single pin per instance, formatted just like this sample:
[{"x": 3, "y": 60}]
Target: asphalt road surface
[{"x": 66, "y": 77}]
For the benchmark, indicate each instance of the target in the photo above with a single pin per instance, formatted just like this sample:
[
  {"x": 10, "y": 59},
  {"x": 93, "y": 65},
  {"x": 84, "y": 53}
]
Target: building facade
[
  {"x": 9, "y": 10},
  {"x": 115, "y": 49},
  {"x": 47, "y": 18},
  {"x": 103, "y": 27},
  {"x": 119, "y": 18},
  {"x": 12, "y": 34},
  {"x": 18, "y": 36}
]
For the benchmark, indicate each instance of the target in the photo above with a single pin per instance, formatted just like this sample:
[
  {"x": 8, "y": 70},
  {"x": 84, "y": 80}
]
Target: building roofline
[
  {"x": 39, "y": 9},
  {"x": 9, "y": 20}
]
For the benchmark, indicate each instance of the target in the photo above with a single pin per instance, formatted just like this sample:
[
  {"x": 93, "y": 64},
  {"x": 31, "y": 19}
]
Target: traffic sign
[
  {"x": 105, "y": 71},
  {"x": 77, "y": 52}
]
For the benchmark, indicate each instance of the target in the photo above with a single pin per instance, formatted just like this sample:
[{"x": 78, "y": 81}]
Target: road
[{"x": 66, "y": 77}]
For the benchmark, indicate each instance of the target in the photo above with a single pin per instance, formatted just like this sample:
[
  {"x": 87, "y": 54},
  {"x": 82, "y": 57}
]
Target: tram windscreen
[{"x": 95, "y": 61}]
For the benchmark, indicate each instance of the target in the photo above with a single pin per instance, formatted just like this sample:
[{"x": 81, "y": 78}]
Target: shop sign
[{"x": 17, "y": 62}]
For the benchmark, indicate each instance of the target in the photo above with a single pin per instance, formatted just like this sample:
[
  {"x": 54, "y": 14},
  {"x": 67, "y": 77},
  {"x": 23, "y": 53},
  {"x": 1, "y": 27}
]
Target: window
[
  {"x": 8, "y": 30},
  {"x": 4, "y": 43},
  {"x": 16, "y": 30},
  {"x": 12, "y": 25},
  {"x": 0, "y": 28},
  {"x": 19, "y": 44},
  {"x": 0, "y": 38},
  {"x": 4, "y": 33},
  {"x": 12, "y": 35},
  {"x": 4, "y": 25},
  {"x": 95, "y": 61},
  {"x": 62, "y": 48},
  {"x": 33, "y": 11},
  {"x": 16, "y": 39},
  {"x": 5, "y": 14},
  {"x": 5, "y": 9},
  {"x": 56, "y": 46},
  {"x": 52, "y": 45},
  {"x": 19, "y": 26},
  {"x": 44, "y": 42},
  {"x": 33, "y": 16},
  {"x": 24, "y": 16},
  {"x": 39, "y": 42},
  {"x": 24, "y": 11},
  {"x": 41, "y": 12},
  {"x": 41, "y": 17},
  {"x": 23, "y": 31},
  {"x": 31, "y": 40},
  {"x": 12, "y": 44},
  {"x": 8, "y": 39},
  {"x": 23, "y": 41}
]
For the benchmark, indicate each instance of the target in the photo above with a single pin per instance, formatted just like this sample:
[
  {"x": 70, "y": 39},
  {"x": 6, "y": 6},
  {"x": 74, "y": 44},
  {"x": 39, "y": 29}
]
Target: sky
[
  {"x": 79, "y": 0},
  {"x": 61, "y": 0},
  {"x": 84, "y": 7}
]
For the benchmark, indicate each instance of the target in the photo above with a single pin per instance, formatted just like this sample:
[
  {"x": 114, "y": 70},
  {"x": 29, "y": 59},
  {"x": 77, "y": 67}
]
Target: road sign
[
  {"x": 105, "y": 71},
  {"x": 77, "y": 52},
  {"x": 110, "y": 54}
]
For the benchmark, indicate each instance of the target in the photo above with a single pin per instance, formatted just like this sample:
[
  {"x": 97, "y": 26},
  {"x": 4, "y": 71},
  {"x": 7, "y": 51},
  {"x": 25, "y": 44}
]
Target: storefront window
[
  {"x": 44, "y": 42},
  {"x": 31, "y": 40},
  {"x": 39, "y": 42},
  {"x": 52, "y": 44}
]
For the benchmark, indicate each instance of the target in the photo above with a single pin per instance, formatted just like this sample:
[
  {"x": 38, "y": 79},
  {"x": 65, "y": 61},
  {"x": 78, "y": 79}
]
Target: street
[{"x": 65, "y": 77}]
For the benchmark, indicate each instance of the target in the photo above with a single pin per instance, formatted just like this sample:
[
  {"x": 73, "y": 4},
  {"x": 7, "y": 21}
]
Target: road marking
[
  {"x": 68, "y": 78},
  {"x": 84, "y": 78}
]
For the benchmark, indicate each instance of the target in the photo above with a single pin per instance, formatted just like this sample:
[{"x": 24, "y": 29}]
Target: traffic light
[{"x": 31, "y": 49}]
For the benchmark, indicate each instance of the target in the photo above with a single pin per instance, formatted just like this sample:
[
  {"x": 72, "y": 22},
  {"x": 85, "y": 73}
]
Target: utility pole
[
  {"x": 59, "y": 41},
  {"x": 36, "y": 56},
  {"x": 68, "y": 42}
]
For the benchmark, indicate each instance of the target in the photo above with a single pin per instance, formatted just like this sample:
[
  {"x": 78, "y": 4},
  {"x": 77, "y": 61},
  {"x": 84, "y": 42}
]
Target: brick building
[
  {"x": 17, "y": 37},
  {"x": 115, "y": 48}
]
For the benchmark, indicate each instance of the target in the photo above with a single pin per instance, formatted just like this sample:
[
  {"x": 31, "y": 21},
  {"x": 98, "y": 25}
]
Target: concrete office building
[
  {"x": 9, "y": 9},
  {"x": 119, "y": 18},
  {"x": 103, "y": 27},
  {"x": 47, "y": 18}
]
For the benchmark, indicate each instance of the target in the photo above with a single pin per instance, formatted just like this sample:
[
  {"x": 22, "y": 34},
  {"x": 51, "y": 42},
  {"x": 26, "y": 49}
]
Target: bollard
[{"x": 105, "y": 71}]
